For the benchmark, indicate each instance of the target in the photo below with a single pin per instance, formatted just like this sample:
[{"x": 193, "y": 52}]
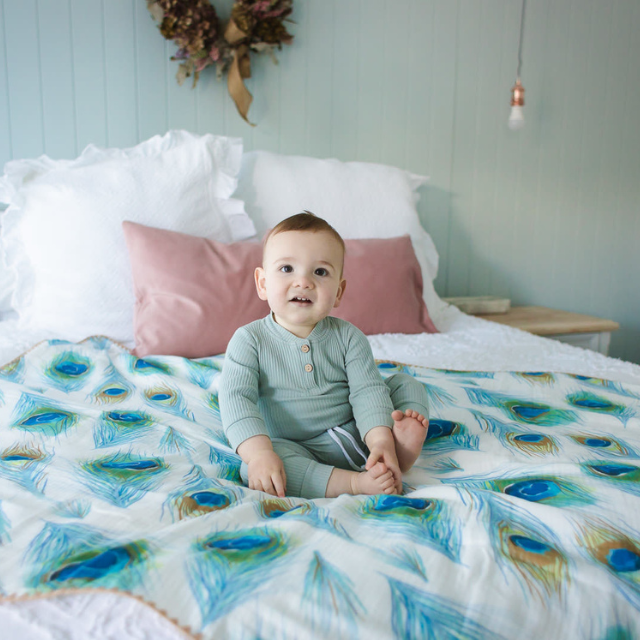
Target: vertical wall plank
[
  {"x": 151, "y": 76},
  {"x": 294, "y": 79},
  {"x": 464, "y": 141},
  {"x": 6, "y": 145},
  {"x": 24, "y": 79},
  {"x": 344, "y": 91},
  {"x": 56, "y": 62},
  {"x": 371, "y": 55},
  {"x": 87, "y": 35},
  {"x": 121, "y": 72},
  {"x": 321, "y": 59},
  {"x": 435, "y": 205}
]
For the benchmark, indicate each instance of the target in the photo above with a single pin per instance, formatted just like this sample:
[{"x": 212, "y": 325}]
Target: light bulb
[{"x": 516, "y": 118}]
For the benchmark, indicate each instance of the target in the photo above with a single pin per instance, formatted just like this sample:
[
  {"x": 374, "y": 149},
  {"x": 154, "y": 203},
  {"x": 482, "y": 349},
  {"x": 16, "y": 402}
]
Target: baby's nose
[{"x": 304, "y": 281}]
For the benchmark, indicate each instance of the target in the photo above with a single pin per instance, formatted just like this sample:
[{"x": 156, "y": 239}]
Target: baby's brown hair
[{"x": 305, "y": 221}]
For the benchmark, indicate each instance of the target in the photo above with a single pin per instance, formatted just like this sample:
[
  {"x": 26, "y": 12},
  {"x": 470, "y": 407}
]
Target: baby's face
[{"x": 301, "y": 278}]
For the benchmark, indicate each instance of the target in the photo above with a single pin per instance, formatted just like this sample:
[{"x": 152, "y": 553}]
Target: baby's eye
[
  {"x": 321, "y": 271},
  {"x": 286, "y": 268}
]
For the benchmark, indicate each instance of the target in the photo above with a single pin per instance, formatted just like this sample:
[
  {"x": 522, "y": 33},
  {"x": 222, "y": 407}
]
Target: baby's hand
[
  {"x": 382, "y": 449},
  {"x": 266, "y": 473}
]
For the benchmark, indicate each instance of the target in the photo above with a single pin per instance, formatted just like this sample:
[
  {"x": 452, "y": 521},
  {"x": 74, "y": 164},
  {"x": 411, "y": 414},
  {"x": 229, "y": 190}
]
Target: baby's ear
[
  {"x": 341, "y": 288},
  {"x": 261, "y": 287}
]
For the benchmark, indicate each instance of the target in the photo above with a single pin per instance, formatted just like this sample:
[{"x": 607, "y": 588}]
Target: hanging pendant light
[{"x": 516, "y": 117}]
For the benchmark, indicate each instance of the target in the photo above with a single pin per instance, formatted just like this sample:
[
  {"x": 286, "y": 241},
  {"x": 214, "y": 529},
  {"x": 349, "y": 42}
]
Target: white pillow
[
  {"x": 359, "y": 199},
  {"x": 62, "y": 239}
]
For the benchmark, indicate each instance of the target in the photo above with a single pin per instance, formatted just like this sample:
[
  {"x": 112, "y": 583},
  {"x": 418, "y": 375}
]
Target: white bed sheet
[{"x": 465, "y": 342}]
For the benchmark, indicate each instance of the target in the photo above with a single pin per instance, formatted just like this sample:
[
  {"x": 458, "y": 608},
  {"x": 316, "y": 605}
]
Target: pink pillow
[{"x": 193, "y": 293}]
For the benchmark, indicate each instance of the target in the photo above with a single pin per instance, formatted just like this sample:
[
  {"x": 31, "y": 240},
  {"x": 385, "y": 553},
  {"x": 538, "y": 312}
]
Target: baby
[{"x": 301, "y": 398}]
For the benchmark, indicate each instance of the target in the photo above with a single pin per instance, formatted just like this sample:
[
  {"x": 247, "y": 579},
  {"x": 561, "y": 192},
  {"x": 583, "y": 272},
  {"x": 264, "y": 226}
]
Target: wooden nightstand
[{"x": 579, "y": 330}]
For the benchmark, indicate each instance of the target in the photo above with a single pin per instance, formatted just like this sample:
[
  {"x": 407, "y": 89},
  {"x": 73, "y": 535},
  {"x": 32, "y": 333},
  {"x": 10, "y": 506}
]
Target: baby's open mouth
[{"x": 301, "y": 300}]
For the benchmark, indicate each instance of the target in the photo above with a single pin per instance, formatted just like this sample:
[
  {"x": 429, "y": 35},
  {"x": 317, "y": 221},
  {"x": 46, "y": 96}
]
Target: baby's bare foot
[
  {"x": 409, "y": 431},
  {"x": 377, "y": 480}
]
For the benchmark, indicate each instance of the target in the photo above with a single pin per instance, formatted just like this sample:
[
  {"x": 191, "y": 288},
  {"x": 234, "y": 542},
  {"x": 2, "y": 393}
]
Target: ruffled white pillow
[
  {"x": 359, "y": 199},
  {"x": 62, "y": 242}
]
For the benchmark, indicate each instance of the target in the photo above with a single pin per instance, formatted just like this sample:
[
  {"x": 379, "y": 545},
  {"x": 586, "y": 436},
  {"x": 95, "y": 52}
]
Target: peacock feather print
[
  {"x": 423, "y": 521},
  {"x": 330, "y": 600},
  {"x": 418, "y": 614},
  {"x": 168, "y": 400},
  {"x": 26, "y": 466},
  {"x": 200, "y": 495},
  {"x": 68, "y": 371},
  {"x": 113, "y": 388},
  {"x": 522, "y": 411},
  {"x": 543, "y": 489},
  {"x": 38, "y": 416},
  {"x": 147, "y": 366},
  {"x": 72, "y": 508},
  {"x": 446, "y": 435},
  {"x": 605, "y": 385},
  {"x": 524, "y": 546},
  {"x": 227, "y": 464},
  {"x": 605, "y": 445},
  {"x": 592, "y": 402},
  {"x": 118, "y": 427},
  {"x": 202, "y": 372},
  {"x": 227, "y": 568},
  {"x": 535, "y": 377},
  {"x": 174, "y": 442},
  {"x": 308, "y": 512},
  {"x": 617, "y": 552},
  {"x": 522, "y": 441},
  {"x": 625, "y": 477},
  {"x": 13, "y": 371},
  {"x": 5, "y": 526},
  {"x": 64, "y": 556},
  {"x": 122, "y": 478},
  {"x": 408, "y": 560}
]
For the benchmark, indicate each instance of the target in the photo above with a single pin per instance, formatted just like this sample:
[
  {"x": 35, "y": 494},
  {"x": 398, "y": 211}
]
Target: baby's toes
[
  {"x": 425, "y": 423},
  {"x": 378, "y": 470},
  {"x": 396, "y": 415},
  {"x": 410, "y": 413}
]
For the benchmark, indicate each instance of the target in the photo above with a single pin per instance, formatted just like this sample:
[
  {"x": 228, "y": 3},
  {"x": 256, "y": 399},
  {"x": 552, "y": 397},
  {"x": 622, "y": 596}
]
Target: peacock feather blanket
[{"x": 520, "y": 519}]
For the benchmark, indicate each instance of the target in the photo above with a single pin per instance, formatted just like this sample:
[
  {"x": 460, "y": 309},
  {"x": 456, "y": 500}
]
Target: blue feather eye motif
[
  {"x": 625, "y": 477},
  {"x": 122, "y": 478},
  {"x": 25, "y": 466},
  {"x": 36, "y": 416},
  {"x": 425, "y": 522},
  {"x": 548, "y": 490},
  {"x": 113, "y": 389},
  {"x": 618, "y": 553},
  {"x": 199, "y": 495},
  {"x": 120, "y": 427},
  {"x": 228, "y": 568},
  {"x": 606, "y": 445},
  {"x": 533, "y": 444},
  {"x": 535, "y": 377},
  {"x": 307, "y": 512},
  {"x": 524, "y": 546},
  {"x": 72, "y": 556},
  {"x": 522, "y": 411},
  {"x": 168, "y": 400},
  {"x": 592, "y": 402},
  {"x": 147, "y": 366},
  {"x": 68, "y": 371},
  {"x": 228, "y": 464}
]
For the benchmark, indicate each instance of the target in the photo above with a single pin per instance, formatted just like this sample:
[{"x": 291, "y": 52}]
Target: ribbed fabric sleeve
[{"x": 276, "y": 384}]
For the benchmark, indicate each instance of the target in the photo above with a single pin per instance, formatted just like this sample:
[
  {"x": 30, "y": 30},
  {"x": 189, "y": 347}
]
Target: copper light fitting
[{"x": 517, "y": 94}]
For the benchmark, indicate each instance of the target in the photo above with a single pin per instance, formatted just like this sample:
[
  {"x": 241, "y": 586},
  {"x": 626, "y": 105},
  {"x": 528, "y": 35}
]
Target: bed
[{"x": 121, "y": 509}]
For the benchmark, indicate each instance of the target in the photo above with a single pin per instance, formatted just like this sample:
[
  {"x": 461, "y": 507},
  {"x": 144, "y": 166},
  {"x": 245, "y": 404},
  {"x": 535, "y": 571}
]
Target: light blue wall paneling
[{"x": 546, "y": 215}]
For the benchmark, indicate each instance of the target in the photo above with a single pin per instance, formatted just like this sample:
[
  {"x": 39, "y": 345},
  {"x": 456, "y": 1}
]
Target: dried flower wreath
[{"x": 254, "y": 25}]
